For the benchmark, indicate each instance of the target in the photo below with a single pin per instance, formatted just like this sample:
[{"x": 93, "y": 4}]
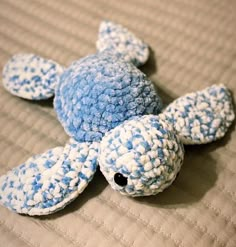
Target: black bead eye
[{"x": 120, "y": 179}]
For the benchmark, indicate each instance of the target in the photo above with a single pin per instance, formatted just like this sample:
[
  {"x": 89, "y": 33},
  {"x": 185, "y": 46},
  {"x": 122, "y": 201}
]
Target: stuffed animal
[{"x": 114, "y": 119}]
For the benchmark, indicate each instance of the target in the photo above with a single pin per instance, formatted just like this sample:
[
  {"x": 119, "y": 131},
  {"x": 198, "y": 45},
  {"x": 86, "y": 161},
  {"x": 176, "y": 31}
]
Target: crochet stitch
[
  {"x": 121, "y": 42},
  {"x": 31, "y": 77},
  {"x": 48, "y": 182},
  {"x": 114, "y": 119},
  {"x": 194, "y": 120},
  {"x": 108, "y": 91},
  {"x": 144, "y": 150}
]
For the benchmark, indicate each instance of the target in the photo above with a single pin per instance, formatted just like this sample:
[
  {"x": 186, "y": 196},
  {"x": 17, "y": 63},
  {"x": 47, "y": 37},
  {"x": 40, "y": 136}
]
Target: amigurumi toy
[{"x": 114, "y": 118}]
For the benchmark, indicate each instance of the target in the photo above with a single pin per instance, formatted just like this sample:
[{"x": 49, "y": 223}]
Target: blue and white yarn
[
  {"x": 31, "y": 77},
  {"x": 48, "y": 182},
  {"x": 120, "y": 41},
  {"x": 99, "y": 92},
  {"x": 107, "y": 106},
  {"x": 145, "y": 151},
  {"x": 203, "y": 116}
]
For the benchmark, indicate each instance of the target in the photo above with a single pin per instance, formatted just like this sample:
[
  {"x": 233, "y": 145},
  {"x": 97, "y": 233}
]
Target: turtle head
[{"x": 143, "y": 155}]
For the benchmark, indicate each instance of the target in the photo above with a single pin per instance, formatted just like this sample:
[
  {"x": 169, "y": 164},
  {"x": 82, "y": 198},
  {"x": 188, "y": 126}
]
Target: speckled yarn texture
[
  {"x": 145, "y": 151},
  {"x": 114, "y": 118},
  {"x": 99, "y": 92},
  {"x": 31, "y": 77},
  {"x": 48, "y": 182},
  {"x": 121, "y": 42},
  {"x": 202, "y": 116}
]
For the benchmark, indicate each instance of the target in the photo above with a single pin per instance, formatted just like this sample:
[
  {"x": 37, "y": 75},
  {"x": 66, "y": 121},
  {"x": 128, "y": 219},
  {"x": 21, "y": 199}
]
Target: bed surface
[{"x": 193, "y": 46}]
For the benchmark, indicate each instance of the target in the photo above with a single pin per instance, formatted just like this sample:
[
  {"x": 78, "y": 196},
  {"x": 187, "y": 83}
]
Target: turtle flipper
[
  {"x": 31, "y": 77},
  {"x": 47, "y": 182},
  {"x": 118, "y": 40},
  {"x": 201, "y": 117}
]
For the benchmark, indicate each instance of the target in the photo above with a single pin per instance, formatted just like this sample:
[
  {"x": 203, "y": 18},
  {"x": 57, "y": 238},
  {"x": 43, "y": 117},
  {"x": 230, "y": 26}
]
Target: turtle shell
[{"x": 99, "y": 92}]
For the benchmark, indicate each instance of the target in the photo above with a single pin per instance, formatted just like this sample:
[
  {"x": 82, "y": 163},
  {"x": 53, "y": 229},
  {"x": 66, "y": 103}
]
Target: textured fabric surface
[
  {"x": 146, "y": 151},
  {"x": 119, "y": 40},
  {"x": 47, "y": 182},
  {"x": 193, "y": 46},
  {"x": 99, "y": 92},
  {"x": 31, "y": 77},
  {"x": 202, "y": 116}
]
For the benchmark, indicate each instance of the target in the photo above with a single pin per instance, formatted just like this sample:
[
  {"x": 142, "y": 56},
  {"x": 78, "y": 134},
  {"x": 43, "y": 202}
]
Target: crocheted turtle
[{"x": 114, "y": 118}]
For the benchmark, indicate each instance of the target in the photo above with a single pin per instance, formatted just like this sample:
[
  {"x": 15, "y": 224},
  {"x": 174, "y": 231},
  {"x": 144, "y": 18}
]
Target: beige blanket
[{"x": 194, "y": 45}]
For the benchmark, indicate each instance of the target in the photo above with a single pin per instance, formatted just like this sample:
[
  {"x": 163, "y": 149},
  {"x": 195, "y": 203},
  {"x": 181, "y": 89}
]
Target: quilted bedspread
[{"x": 193, "y": 46}]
